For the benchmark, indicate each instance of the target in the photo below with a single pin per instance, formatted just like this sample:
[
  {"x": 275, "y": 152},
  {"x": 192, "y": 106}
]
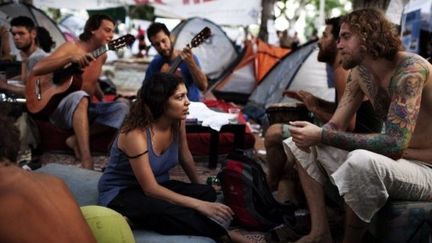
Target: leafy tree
[
  {"x": 299, "y": 5},
  {"x": 143, "y": 11},
  {"x": 268, "y": 13}
]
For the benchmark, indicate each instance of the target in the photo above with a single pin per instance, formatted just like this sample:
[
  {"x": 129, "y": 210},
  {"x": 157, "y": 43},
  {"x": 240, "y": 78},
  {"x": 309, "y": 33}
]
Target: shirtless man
[
  {"x": 34, "y": 206},
  {"x": 368, "y": 169},
  {"x": 76, "y": 110},
  {"x": 281, "y": 173}
]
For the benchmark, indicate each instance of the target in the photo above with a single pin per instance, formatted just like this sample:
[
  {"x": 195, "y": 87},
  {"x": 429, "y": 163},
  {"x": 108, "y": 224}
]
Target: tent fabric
[
  {"x": 267, "y": 56},
  {"x": 74, "y": 24},
  {"x": 11, "y": 10},
  {"x": 216, "y": 54},
  {"x": 300, "y": 69},
  {"x": 241, "y": 79}
]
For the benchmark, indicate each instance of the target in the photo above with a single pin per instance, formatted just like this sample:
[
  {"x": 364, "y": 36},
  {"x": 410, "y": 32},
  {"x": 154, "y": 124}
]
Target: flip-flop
[{"x": 282, "y": 233}]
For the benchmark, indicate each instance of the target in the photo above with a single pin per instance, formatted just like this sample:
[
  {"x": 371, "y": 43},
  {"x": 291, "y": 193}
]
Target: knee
[
  {"x": 209, "y": 194},
  {"x": 360, "y": 161},
  {"x": 273, "y": 135}
]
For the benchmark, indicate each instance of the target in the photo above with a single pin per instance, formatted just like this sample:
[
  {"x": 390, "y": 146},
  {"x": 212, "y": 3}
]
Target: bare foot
[
  {"x": 237, "y": 237},
  {"x": 88, "y": 164},
  {"x": 71, "y": 142},
  {"x": 326, "y": 238}
]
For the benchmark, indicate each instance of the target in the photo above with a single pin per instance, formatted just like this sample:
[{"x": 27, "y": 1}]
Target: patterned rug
[{"x": 176, "y": 173}]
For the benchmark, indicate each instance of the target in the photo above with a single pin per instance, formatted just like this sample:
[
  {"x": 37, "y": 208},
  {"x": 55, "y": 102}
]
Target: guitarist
[
  {"x": 190, "y": 70},
  {"x": 76, "y": 110}
]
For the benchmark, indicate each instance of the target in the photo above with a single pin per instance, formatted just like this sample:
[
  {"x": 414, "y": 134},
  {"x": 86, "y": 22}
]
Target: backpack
[{"x": 246, "y": 192}]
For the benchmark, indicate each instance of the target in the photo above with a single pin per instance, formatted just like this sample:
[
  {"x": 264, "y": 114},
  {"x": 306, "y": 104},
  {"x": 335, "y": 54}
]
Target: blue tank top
[{"x": 118, "y": 174}]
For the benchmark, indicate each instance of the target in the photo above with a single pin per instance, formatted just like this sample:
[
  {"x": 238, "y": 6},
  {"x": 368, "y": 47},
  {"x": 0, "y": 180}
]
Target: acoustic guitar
[
  {"x": 44, "y": 92},
  {"x": 199, "y": 38}
]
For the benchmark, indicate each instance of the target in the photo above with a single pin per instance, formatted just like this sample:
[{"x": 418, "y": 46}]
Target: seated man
[
  {"x": 24, "y": 33},
  {"x": 368, "y": 169},
  {"x": 76, "y": 110},
  {"x": 191, "y": 73},
  {"x": 34, "y": 207},
  {"x": 28, "y": 40},
  {"x": 281, "y": 174}
]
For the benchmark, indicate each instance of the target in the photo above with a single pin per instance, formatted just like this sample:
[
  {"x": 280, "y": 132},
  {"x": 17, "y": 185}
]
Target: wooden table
[{"x": 239, "y": 136}]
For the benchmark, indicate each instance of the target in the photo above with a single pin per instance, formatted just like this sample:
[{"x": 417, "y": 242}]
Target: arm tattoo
[
  {"x": 352, "y": 92},
  {"x": 405, "y": 92}
]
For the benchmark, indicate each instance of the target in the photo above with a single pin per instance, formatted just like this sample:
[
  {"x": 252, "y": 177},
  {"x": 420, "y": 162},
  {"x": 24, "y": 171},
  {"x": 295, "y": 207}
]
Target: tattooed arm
[
  {"x": 405, "y": 91},
  {"x": 348, "y": 104},
  {"x": 306, "y": 134}
]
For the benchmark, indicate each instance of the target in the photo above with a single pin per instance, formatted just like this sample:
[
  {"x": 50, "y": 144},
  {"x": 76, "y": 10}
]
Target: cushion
[
  {"x": 83, "y": 185},
  {"x": 403, "y": 221}
]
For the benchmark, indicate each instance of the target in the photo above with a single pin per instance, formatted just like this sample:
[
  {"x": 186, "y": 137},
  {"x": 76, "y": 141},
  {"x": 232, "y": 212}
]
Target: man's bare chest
[{"x": 379, "y": 97}]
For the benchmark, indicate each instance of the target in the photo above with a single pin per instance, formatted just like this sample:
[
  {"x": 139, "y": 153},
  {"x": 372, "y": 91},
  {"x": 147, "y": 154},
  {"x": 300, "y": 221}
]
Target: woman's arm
[{"x": 134, "y": 143}]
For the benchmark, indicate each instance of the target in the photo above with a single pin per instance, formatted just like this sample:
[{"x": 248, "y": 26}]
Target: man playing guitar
[
  {"x": 191, "y": 73},
  {"x": 76, "y": 110}
]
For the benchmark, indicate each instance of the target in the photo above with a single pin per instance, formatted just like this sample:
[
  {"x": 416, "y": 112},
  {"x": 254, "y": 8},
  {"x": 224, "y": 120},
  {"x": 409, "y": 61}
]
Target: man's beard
[
  {"x": 25, "y": 47},
  {"x": 352, "y": 61},
  {"x": 327, "y": 55},
  {"x": 168, "y": 57}
]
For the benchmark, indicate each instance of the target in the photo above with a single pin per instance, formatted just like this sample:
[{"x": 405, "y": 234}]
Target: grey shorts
[{"x": 110, "y": 114}]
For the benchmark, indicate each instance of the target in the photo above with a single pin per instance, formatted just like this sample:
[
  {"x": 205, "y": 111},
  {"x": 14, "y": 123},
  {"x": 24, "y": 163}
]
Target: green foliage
[
  {"x": 143, "y": 11},
  {"x": 329, "y": 5},
  {"x": 311, "y": 20}
]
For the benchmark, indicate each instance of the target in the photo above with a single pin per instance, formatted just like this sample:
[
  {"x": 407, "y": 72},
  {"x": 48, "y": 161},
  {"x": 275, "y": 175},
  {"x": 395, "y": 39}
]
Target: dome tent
[
  {"x": 10, "y": 10},
  {"x": 216, "y": 54},
  {"x": 298, "y": 70}
]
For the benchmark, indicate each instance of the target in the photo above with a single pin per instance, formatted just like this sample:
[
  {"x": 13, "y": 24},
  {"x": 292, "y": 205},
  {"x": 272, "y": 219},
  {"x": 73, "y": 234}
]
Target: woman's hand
[{"x": 217, "y": 211}]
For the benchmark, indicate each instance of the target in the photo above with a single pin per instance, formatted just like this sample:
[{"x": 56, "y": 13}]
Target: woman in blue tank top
[{"x": 136, "y": 182}]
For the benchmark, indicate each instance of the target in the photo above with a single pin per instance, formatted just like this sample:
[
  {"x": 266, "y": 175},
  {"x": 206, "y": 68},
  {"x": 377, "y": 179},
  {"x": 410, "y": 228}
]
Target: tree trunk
[
  {"x": 266, "y": 14},
  {"x": 381, "y": 4}
]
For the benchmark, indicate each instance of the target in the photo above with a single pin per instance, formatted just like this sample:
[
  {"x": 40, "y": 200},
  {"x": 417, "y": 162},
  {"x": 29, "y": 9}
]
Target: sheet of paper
[{"x": 208, "y": 117}]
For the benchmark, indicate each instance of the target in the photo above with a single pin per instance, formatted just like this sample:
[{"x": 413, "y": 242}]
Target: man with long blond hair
[{"x": 368, "y": 169}]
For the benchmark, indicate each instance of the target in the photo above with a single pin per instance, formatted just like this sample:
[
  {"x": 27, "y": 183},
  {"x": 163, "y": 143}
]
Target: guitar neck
[
  {"x": 71, "y": 68},
  {"x": 175, "y": 65},
  {"x": 101, "y": 50}
]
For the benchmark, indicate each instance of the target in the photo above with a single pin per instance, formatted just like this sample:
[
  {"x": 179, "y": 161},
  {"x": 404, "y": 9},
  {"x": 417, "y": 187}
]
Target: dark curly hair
[
  {"x": 9, "y": 140},
  {"x": 44, "y": 39},
  {"x": 151, "y": 101},
  {"x": 93, "y": 23},
  {"x": 378, "y": 35},
  {"x": 155, "y": 28},
  {"x": 25, "y": 21}
]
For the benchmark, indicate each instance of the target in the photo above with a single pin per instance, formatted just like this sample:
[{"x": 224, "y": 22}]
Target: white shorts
[{"x": 365, "y": 179}]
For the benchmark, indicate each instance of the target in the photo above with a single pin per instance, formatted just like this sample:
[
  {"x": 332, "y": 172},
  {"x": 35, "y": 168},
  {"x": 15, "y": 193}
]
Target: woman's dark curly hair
[
  {"x": 9, "y": 140},
  {"x": 44, "y": 39},
  {"x": 378, "y": 35},
  {"x": 93, "y": 23},
  {"x": 151, "y": 101}
]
